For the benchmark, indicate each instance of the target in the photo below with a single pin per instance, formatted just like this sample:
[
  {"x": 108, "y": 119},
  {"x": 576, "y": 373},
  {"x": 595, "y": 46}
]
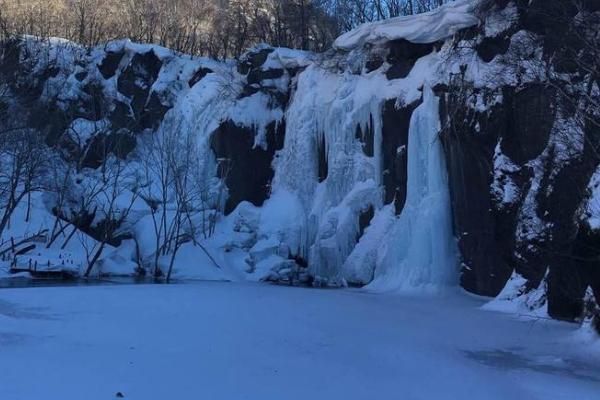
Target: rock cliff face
[
  {"x": 531, "y": 151},
  {"x": 326, "y": 137}
]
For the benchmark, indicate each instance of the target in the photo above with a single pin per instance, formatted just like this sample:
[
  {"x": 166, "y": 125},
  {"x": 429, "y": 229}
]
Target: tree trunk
[
  {"x": 56, "y": 234},
  {"x": 175, "y": 250},
  {"x": 28, "y": 216},
  {"x": 69, "y": 238},
  {"x": 171, "y": 263},
  {"x": 94, "y": 259}
]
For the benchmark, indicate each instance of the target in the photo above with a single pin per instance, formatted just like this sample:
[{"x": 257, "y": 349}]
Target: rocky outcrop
[{"x": 516, "y": 181}]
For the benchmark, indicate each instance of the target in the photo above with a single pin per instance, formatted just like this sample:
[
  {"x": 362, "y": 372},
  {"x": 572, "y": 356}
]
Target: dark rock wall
[
  {"x": 485, "y": 235},
  {"x": 247, "y": 169},
  {"x": 520, "y": 128},
  {"x": 396, "y": 123}
]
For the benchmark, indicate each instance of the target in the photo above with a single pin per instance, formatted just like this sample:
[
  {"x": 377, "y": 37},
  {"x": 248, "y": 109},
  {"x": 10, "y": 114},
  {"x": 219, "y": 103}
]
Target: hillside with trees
[{"x": 214, "y": 28}]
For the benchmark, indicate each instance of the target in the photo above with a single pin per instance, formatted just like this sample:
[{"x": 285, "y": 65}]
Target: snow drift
[{"x": 428, "y": 27}]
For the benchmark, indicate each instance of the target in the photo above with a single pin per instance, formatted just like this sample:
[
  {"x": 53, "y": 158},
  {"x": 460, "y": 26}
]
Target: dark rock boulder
[
  {"x": 49, "y": 119},
  {"x": 583, "y": 266},
  {"x": 484, "y": 271},
  {"x": 268, "y": 81},
  {"x": 374, "y": 62},
  {"x": 84, "y": 221},
  {"x": 553, "y": 21}
]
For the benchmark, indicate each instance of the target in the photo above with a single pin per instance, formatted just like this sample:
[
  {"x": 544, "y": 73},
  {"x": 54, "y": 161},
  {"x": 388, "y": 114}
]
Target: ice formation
[
  {"x": 310, "y": 214},
  {"x": 421, "y": 253}
]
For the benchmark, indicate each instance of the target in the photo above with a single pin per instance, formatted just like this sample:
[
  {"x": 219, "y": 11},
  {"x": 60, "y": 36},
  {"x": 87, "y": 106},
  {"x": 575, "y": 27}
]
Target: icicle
[{"x": 377, "y": 115}]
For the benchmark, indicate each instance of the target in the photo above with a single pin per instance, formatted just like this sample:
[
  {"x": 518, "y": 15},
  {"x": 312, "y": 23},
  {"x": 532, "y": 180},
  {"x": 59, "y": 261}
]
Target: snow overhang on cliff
[{"x": 429, "y": 27}]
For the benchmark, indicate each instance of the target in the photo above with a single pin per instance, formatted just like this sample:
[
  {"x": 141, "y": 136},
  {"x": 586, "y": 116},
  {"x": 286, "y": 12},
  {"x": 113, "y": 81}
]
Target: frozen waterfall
[{"x": 421, "y": 254}]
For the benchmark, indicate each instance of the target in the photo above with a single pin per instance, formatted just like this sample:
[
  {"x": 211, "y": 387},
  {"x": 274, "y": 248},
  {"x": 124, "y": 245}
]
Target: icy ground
[{"x": 250, "y": 341}]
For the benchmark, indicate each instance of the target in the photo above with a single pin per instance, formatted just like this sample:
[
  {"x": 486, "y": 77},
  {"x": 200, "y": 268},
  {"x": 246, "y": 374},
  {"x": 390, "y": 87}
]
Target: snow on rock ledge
[
  {"x": 428, "y": 27},
  {"x": 517, "y": 298}
]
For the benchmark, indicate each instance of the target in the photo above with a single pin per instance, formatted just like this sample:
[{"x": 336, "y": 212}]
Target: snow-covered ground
[{"x": 250, "y": 341}]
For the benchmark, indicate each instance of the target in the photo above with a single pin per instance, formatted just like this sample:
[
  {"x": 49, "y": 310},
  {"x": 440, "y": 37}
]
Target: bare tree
[
  {"x": 220, "y": 29},
  {"x": 23, "y": 164},
  {"x": 113, "y": 194},
  {"x": 182, "y": 205},
  {"x": 61, "y": 183}
]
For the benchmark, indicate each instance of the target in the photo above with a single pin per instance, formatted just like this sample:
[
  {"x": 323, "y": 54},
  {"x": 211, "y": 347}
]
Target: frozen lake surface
[{"x": 251, "y": 341}]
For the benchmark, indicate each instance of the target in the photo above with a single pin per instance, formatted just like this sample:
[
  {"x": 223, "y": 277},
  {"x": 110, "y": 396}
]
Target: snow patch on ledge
[
  {"x": 429, "y": 27},
  {"x": 592, "y": 205},
  {"x": 517, "y": 299}
]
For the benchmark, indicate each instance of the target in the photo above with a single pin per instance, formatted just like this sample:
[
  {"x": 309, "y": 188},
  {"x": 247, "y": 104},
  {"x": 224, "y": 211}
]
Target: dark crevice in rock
[
  {"x": 259, "y": 75},
  {"x": 323, "y": 167},
  {"x": 364, "y": 220},
  {"x": 153, "y": 113},
  {"x": 367, "y": 138},
  {"x": 374, "y": 63},
  {"x": 198, "y": 76},
  {"x": 490, "y": 47},
  {"x": 80, "y": 76},
  {"x": 137, "y": 80},
  {"x": 394, "y": 146},
  {"x": 120, "y": 144},
  {"x": 403, "y": 55},
  {"x": 109, "y": 65},
  {"x": 567, "y": 247},
  {"x": 249, "y": 173}
]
